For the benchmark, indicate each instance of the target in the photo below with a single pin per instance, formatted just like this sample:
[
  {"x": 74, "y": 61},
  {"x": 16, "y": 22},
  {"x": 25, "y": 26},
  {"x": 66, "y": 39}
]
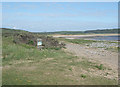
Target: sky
[{"x": 59, "y": 16}]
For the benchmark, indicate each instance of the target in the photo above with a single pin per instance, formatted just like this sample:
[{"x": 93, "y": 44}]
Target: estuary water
[{"x": 107, "y": 38}]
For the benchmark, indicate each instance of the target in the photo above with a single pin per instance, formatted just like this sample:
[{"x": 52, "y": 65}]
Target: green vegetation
[
  {"x": 12, "y": 31},
  {"x": 83, "y": 76},
  {"x": 79, "y": 41},
  {"x": 31, "y": 42},
  {"x": 100, "y": 67},
  {"x": 104, "y": 31},
  {"x": 26, "y": 38},
  {"x": 62, "y": 32},
  {"x": 24, "y": 64},
  {"x": 98, "y": 31},
  {"x": 70, "y": 69},
  {"x": 30, "y": 66}
]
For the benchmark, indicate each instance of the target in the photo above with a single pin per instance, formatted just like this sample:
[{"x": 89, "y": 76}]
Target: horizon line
[{"x": 60, "y": 31}]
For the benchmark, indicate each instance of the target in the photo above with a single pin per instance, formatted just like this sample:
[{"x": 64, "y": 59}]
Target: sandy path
[{"x": 104, "y": 56}]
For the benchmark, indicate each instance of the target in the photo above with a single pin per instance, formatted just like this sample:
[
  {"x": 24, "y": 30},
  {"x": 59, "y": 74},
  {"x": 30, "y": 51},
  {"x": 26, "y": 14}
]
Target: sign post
[{"x": 39, "y": 43}]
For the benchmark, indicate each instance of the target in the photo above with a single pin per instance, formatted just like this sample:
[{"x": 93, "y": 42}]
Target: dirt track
[{"x": 103, "y": 56}]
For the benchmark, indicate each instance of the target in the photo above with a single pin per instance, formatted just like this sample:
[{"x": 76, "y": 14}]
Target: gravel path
[{"x": 104, "y": 56}]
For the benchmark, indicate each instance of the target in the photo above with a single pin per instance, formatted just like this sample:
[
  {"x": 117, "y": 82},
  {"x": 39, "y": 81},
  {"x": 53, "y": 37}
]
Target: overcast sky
[{"x": 56, "y": 16}]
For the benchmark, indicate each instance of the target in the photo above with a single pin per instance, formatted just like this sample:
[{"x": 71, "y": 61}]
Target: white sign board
[{"x": 39, "y": 43}]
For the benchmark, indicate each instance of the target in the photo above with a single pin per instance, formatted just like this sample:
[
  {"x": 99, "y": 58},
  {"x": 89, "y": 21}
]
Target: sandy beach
[{"x": 85, "y": 35}]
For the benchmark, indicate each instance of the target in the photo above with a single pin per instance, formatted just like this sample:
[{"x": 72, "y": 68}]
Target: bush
[
  {"x": 83, "y": 76},
  {"x": 31, "y": 39},
  {"x": 30, "y": 42}
]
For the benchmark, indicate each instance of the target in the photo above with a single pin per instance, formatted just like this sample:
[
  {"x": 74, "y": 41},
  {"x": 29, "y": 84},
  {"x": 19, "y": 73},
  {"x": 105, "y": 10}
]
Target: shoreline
[{"x": 86, "y": 35}]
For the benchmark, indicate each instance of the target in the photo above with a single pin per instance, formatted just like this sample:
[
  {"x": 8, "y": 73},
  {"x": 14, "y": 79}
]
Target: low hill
[
  {"x": 105, "y": 31},
  {"x": 29, "y": 38},
  {"x": 12, "y": 31},
  {"x": 62, "y": 32}
]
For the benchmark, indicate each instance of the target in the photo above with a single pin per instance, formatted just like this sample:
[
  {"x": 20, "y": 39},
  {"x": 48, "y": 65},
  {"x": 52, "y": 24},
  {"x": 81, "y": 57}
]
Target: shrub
[
  {"x": 30, "y": 42},
  {"x": 83, "y": 76}
]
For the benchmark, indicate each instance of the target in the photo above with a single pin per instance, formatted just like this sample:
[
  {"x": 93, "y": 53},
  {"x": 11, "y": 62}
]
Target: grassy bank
[
  {"x": 79, "y": 41},
  {"x": 23, "y": 64},
  {"x": 26, "y": 65}
]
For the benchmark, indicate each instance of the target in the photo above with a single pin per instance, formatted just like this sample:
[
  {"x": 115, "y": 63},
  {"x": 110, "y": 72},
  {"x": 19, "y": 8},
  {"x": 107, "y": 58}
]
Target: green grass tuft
[
  {"x": 70, "y": 69},
  {"x": 83, "y": 76},
  {"x": 100, "y": 67}
]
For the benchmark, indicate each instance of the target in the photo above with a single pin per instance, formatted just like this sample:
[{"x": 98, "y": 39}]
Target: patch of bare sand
[{"x": 107, "y": 58}]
